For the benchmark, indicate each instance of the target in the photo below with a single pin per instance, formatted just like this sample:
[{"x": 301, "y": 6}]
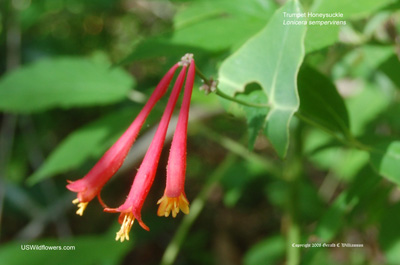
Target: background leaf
[
  {"x": 321, "y": 103},
  {"x": 62, "y": 82},
  {"x": 319, "y": 37},
  {"x": 268, "y": 251},
  {"x": 391, "y": 68},
  {"x": 386, "y": 159},
  {"x": 271, "y": 58},
  {"x": 205, "y": 27},
  {"x": 354, "y": 9},
  {"x": 83, "y": 144},
  {"x": 390, "y": 234}
]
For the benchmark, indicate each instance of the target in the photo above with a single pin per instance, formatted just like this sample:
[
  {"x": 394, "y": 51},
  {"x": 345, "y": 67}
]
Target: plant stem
[
  {"x": 293, "y": 233},
  {"x": 248, "y": 104},
  {"x": 293, "y": 253},
  {"x": 196, "y": 207},
  {"x": 292, "y": 174},
  {"x": 218, "y": 92},
  {"x": 203, "y": 77}
]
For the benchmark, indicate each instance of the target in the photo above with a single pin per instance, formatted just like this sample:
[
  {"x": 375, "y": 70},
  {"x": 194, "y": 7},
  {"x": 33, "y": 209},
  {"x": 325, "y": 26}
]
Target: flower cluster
[{"x": 174, "y": 198}]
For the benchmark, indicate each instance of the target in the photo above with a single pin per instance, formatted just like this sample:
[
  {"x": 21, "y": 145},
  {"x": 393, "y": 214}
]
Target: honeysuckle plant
[
  {"x": 174, "y": 198},
  {"x": 313, "y": 132}
]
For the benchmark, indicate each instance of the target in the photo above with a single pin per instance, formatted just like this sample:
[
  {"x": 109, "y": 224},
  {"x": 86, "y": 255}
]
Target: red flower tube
[
  {"x": 174, "y": 198},
  {"x": 89, "y": 186},
  {"x": 130, "y": 209}
]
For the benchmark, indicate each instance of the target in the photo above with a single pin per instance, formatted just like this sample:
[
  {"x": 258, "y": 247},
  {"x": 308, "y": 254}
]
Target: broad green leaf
[
  {"x": 326, "y": 155},
  {"x": 373, "y": 55},
  {"x": 160, "y": 47},
  {"x": 219, "y": 33},
  {"x": 201, "y": 10},
  {"x": 352, "y": 10},
  {"x": 361, "y": 116},
  {"x": 272, "y": 59},
  {"x": 319, "y": 37},
  {"x": 362, "y": 62},
  {"x": 235, "y": 184},
  {"x": 318, "y": 256},
  {"x": 386, "y": 159},
  {"x": 219, "y": 24},
  {"x": 268, "y": 251},
  {"x": 309, "y": 207},
  {"x": 206, "y": 27},
  {"x": 389, "y": 234},
  {"x": 332, "y": 221},
  {"x": 391, "y": 68},
  {"x": 88, "y": 250},
  {"x": 86, "y": 143},
  {"x": 321, "y": 103},
  {"x": 64, "y": 83}
]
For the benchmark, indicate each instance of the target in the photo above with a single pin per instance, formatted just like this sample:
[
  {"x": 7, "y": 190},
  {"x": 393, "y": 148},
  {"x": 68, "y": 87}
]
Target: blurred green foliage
[{"x": 306, "y": 150}]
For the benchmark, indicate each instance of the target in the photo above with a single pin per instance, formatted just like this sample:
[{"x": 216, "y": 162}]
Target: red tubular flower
[
  {"x": 174, "y": 198},
  {"x": 130, "y": 209},
  {"x": 89, "y": 186}
]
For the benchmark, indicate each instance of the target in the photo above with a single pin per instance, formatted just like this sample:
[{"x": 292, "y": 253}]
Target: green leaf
[
  {"x": 319, "y": 37},
  {"x": 88, "y": 142},
  {"x": 206, "y": 27},
  {"x": 352, "y": 10},
  {"x": 321, "y": 103},
  {"x": 391, "y": 68},
  {"x": 62, "y": 82},
  {"x": 386, "y": 159},
  {"x": 235, "y": 184},
  {"x": 344, "y": 163},
  {"x": 309, "y": 207},
  {"x": 160, "y": 47},
  {"x": 202, "y": 10},
  {"x": 362, "y": 62},
  {"x": 218, "y": 33},
  {"x": 389, "y": 234},
  {"x": 218, "y": 24},
  {"x": 360, "y": 116},
  {"x": 332, "y": 221},
  {"x": 272, "y": 59},
  {"x": 268, "y": 251}
]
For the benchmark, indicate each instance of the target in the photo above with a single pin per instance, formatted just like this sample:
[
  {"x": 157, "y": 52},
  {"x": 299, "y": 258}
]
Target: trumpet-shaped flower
[
  {"x": 174, "y": 198},
  {"x": 90, "y": 185},
  {"x": 131, "y": 208}
]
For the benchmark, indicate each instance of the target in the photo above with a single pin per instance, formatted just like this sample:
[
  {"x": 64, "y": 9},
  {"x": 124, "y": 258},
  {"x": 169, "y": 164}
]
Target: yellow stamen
[
  {"x": 81, "y": 206},
  {"x": 126, "y": 226},
  {"x": 173, "y": 204}
]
